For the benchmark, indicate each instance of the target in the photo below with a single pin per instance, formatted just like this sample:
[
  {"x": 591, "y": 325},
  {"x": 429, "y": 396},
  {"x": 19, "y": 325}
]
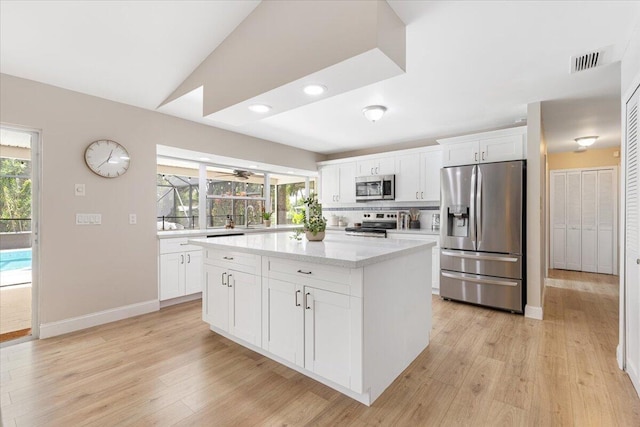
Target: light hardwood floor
[{"x": 483, "y": 367}]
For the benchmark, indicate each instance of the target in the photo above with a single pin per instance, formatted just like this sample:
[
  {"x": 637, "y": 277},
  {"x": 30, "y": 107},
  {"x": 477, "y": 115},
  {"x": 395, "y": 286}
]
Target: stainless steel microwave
[{"x": 375, "y": 187}]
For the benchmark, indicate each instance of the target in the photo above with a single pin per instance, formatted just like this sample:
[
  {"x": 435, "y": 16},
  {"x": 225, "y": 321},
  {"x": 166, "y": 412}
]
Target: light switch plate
[
  {"x": 80, "y": 190},
  {"x": 88, "y": 219}
]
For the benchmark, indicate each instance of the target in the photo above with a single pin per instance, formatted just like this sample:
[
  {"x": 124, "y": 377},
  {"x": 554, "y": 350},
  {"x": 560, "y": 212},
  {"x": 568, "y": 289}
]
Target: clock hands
[{"x": 108, "y": 158}]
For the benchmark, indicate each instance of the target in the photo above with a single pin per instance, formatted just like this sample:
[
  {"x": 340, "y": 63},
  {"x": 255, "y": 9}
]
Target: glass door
[{"x": 17, "y": 233}]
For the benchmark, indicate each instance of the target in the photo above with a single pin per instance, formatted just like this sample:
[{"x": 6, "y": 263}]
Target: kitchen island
[{"x": 350, "y": 312}]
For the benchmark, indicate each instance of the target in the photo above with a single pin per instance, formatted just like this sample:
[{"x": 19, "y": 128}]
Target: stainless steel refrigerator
[{"x": 482, "y": 233}]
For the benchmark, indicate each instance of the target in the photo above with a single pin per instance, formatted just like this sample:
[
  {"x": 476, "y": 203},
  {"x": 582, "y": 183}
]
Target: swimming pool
[{"x": 15, "y": 259}]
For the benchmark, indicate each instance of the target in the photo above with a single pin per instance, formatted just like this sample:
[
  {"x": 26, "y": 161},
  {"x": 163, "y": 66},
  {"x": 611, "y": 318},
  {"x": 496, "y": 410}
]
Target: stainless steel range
[{"x": 374, "y": 224}]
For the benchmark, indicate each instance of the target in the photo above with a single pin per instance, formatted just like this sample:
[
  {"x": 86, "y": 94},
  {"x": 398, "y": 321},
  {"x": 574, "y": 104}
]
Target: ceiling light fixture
[
  {"x": 586, "y": 141},
  {"x": 374, "y": 112},
  {"x": 260, "y": 108},
  {"x": 314, "y": 89},
  {"x": 204, "y": 159}
]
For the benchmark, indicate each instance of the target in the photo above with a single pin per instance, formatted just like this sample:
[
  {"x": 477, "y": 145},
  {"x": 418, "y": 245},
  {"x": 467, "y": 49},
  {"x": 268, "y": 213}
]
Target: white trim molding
[
  {"x": 180, "y": 300},
  {"x": 48, "y": 330},
  {"x": 533, "y": 312}
]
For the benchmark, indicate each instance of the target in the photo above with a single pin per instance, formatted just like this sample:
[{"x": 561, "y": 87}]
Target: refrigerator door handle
[
  {"x": 472, "y": 209},
  {"x": 478, "y": 217},
  {"x": 481, "y": 257},
  {"x": 459, "y": 276}
]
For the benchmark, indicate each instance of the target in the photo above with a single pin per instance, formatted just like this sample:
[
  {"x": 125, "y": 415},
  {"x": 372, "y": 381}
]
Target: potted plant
[
  {"x": 266, "y": 216},
  {"x": 314, "y": 224}
]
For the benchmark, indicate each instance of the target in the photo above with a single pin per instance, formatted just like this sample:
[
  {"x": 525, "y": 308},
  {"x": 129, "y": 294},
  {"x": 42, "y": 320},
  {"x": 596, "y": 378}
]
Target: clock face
[{"x": 107, "y": 158}]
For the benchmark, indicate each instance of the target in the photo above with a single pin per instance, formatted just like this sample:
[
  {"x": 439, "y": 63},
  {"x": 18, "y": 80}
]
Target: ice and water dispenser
[{"x": 458, "y": 221}]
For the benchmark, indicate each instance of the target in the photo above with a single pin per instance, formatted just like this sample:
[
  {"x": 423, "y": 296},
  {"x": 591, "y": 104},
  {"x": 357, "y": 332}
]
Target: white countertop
[
  {"x": 223, "y": 231},
  {"x": 336, "y": 249}
]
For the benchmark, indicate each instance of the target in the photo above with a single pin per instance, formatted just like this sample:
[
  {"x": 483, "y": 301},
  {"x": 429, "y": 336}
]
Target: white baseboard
[
  {"x": 180, "y": 300},
  {"x": 619, "y": 357},
  {"x": 435, "y": 291},
  {"x": 533, "y": 312},
  {"x": 48, "y": 330}
]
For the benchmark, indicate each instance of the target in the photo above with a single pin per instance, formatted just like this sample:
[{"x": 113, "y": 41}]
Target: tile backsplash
[{"x": 351, "y": 215}]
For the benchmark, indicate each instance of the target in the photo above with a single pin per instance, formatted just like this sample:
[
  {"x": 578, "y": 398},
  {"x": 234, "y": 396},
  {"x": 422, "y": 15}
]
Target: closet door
[
  {"x": 574, "y": 221},
  {"x": 589, "y": 221},
  {"x": 558, "y": 220},
  {"x": 606, "y": 221}
]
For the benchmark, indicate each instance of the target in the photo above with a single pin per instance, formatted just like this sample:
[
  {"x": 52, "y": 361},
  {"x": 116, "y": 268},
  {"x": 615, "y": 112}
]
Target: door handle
[
  {"x": 461, "y": 276},
  {"x": 304, "y": 272},
  {"x": 417, "y": 195},
  {"x": 371, "y": 171},
  {"x": 223, "y": 276},
  {"x": 475, "y": 156},
  {"x": 377, "y": 169},
  {"x": 422, "y": 194},
  {"x": 306, "y": 301},
  {"x": 181, "y": 259},
  {"x": 188, "y": 258},
  {"x": 483, "y": 156},
  {"x": 229, "y": 281},
  {"x": 296, "y": 296},
  {"x": 638, "y": 261},
  {"x": 481, "y": 257},
  {"x": 230, "y": 258}
]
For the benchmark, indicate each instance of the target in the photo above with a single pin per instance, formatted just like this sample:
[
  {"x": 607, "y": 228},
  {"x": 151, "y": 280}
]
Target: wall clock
[{"x": 107, "y": 158}]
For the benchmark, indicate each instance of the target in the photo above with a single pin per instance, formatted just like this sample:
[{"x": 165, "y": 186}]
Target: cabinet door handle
[
  {"x": 188, "y": 258},
  {"x": 229, "y": 280},
  {"x": 475, "y": 156},
  {"x": 372, "y": 171},
  {"x": 417, "y": 195},
  {"x": 296, "y": 296},
  {"x": 483, "y": 155},
  {"x": 223, "y": 276},
  {"x": 304, "y": 272},
  {"x": 184, "y": 244},
  {"x": 181, "y": 259},
  {"x": 230, "y": 258},
  {"x": 422, "y": 194},
  {"x": 306, "y": 301},
  {"x": 638, "y": 261},
  {"x": 377, "y": 169}
]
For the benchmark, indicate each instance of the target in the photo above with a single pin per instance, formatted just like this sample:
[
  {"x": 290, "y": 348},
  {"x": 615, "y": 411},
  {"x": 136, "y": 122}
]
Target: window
[
  {"x": 177, "y": 196},
  {"x": 15, "y": 197},
  {"x": 234, "y": 193},
  {"x": 287, "y": 194}
]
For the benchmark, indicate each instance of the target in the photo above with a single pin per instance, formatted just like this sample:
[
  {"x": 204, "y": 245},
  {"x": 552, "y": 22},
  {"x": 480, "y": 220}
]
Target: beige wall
[
  {"x": 591, "y": 158},
  {"x": 536, "y": 229},
  {"x": 87, "y": 269}
]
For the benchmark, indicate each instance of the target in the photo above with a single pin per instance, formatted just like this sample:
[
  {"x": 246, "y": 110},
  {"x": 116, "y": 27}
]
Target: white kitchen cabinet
[
  {"x": 418, "y": 175},
  {"x": 283, "y": 320},
  {"x": 180, "y": 269},
  {"x": 233, "y": 298},
  {"x": 376, "y": 166},
  {"x": 497, "y": 146},
  {"x": 435, "y": 254},
  {"x": 337, "y": 183}
]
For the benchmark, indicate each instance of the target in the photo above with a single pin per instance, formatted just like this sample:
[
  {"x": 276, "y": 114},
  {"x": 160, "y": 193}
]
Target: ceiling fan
[{"x": 237, "y": 173}]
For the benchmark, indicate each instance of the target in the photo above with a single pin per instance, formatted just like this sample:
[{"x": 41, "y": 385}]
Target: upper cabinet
[
  {"x": 376, "y": 166},
  {"x": 419, "y": 175},
  {"x": 337, "y": 183},
  {"x": 497, "y": 146}
]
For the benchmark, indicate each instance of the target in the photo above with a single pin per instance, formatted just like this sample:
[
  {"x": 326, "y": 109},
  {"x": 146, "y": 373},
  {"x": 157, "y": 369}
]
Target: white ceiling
[{"x": 470, "y": 66}]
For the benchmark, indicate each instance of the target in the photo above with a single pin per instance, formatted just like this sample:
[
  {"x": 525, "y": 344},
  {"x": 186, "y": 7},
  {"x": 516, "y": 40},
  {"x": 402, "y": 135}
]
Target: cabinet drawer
[
  {"x": 178, "y": 244},
  {"x": 336, "y": 279},
  {"x": 230, "y": 259}
]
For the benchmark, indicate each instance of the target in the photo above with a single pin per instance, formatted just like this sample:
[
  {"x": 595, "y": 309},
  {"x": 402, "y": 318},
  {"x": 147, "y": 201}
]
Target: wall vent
[{"x": 589, "y": 60}]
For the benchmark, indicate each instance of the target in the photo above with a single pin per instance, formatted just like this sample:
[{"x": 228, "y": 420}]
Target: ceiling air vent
[{"x": 589, "y": 60}]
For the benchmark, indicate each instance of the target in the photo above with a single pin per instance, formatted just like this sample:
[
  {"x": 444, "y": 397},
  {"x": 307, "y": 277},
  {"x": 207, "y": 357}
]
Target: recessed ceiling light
[
  {"x": 260, "y": 108},
  {"x": 314, "y": 89},
  {"x": 254, "y": 166},
  {"x": 289, "y": 171},
  {"x": 204, "y": 159}
]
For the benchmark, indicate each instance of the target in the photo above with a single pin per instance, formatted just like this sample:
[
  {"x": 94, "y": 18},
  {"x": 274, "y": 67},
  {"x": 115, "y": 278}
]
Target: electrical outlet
[{"x": 133, "y": 219}]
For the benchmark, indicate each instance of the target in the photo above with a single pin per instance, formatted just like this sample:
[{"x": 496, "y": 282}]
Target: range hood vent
[{"x": 589, "y": 60}]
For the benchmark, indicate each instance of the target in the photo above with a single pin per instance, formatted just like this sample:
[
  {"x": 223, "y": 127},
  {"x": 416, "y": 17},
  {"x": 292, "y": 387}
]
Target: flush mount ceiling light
[
  {"x": 314, "y": 89},
  {"x": 374, "y": 112},
  {"x": 586, "y": 141},
  {"x": 260, "y": 108}
]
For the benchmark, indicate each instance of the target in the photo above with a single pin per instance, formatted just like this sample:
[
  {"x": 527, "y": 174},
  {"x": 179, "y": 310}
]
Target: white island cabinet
[{"x": 345, "y": 312}]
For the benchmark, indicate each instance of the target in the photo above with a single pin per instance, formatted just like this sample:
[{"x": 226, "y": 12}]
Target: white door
[
  {"x": 327, "y": 337},
  {"x": 329, "y": 184},
  {"x": 574, "y": 221},
  {"x": 558, "y": 220},
  {"x": 589, "y": 221},
  {"x": 171, "y": 275},
  {"x": 460, "y": 153},
  {"x": 244, "y": 306},
  {"x": 632, "y": 241},
  {"x": 347, "y": 183},
  {"x": 606, "y": 220},
  {"x": 408, "y": 177},
  {"x": 502, "y": 149},
  {"x": 431, "y": 163},
  {"x": 283, "y": 319},
  {"x": 217, "y": 297},
  {"x": 193, "y": 272}
]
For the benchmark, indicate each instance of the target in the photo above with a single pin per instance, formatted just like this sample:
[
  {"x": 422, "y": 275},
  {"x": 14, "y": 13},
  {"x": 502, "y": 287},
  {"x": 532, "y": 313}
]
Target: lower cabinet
[
  {"x": 180, "y": 274},
  {"x": 435, "y": 254},
  {"x": 232, "y": 302},
  {"x": 310, "y": 327}
]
